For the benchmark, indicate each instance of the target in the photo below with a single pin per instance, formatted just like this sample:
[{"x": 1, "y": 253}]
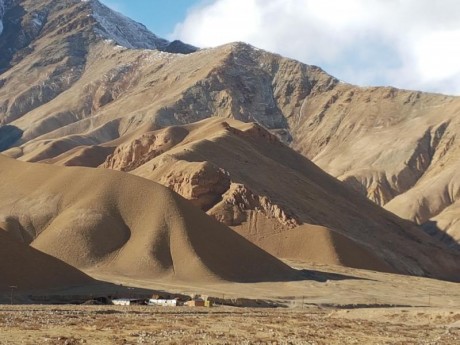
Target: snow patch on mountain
[{"x": 123, "y": 30}]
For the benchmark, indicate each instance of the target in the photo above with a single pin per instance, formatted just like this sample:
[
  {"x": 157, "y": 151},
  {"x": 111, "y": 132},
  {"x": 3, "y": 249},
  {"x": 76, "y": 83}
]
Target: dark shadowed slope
[{"x": 29, "y": 269}]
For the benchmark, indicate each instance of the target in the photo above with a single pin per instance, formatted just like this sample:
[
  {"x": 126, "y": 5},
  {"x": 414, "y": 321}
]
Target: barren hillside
[{"x": 126, "y": 225}]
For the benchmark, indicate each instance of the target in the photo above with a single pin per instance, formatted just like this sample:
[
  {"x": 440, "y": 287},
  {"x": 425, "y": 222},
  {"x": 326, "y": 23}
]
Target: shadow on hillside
[
  {"x": 103, "y": 293},
  {"x": 323, "y": 277},
  {"x": 8, "y": 136},
  {"x": 431, "y": 228},
  {"x": 99, "y": 292},
  {"x": 14, "y": 37}
]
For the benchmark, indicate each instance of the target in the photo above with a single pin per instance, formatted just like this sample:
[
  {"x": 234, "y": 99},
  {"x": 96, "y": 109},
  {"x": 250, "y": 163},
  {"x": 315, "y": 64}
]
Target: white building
[
  {"x": 128, "y": 301},
  {"x": 163, "y": 302},
  {"x": 121, "y": 301}
]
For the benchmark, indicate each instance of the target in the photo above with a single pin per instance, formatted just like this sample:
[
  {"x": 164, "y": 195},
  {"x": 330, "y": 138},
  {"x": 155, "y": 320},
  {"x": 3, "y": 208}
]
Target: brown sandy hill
[
  {"x": 319, "y": 245},
  {"x": 29, "y": 269},
  {"x": 86, "y": 156},
  {"x": 247, "y": 179},
  {"x": 125, "y": 225}
]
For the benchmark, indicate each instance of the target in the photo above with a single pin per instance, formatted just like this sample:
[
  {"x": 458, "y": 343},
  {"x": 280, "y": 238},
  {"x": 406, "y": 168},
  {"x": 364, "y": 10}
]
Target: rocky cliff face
[
  {"x": 129, "y": 156},
  {"x": 200, "y": 182},
  {"x": 239, "y": 206}
]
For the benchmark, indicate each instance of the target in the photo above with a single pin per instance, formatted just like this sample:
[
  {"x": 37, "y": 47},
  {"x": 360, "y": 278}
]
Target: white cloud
[{"x": 406, "y": 43}]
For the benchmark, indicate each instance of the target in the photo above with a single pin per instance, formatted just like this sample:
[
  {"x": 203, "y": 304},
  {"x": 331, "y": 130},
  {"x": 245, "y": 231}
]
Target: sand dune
[
  {"x": 29, "y": 269},
  {"x": 125, "y": 225}
]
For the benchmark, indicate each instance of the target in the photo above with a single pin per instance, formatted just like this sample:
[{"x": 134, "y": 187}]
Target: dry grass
[{"x": 71, "y": 325}]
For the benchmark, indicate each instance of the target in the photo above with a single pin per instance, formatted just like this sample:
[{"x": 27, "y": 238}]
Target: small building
[
  {"x": 195, "y": 303},
  {"x": 128, "y": 301},
  {"x": 164, "y": 302}
]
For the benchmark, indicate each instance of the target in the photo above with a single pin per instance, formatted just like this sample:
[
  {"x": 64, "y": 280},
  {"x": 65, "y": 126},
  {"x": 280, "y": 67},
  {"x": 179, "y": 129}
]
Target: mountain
[
  {"x": 245, "y": 177},
  {"x": 396, "y": 147},
  {"x": 119, "y": 224},
  {"x": 47, "y": 47},
  {"x": 27, "y": 22},
  {"x": 79, "y": 87},
  {"x": 29, "y": 269}
]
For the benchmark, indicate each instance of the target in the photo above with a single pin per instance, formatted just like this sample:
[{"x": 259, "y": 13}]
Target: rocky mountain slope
[
  {"x": 396, "y": 147},
  {"x": 74, "y": 91}
]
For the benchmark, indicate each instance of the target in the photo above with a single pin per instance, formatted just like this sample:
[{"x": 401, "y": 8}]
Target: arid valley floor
[{"x": 224, "y": 325}]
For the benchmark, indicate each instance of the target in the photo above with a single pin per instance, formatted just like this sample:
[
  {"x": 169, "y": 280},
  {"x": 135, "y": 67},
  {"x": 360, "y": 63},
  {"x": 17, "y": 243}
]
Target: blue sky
[
  {"x": 410, "y": 44},
  {"x": 160, "y": 16}
]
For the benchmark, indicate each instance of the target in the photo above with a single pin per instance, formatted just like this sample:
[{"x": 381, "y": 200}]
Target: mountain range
[{"x": 267, "y": 154}]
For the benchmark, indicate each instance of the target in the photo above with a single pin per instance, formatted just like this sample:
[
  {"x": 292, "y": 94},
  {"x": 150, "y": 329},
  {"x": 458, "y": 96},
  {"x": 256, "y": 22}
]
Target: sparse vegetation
[{"x": 71, "y": 325}]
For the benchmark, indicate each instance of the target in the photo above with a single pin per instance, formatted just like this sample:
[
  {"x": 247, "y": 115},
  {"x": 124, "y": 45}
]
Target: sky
[{"x": 411, "y": 44}]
